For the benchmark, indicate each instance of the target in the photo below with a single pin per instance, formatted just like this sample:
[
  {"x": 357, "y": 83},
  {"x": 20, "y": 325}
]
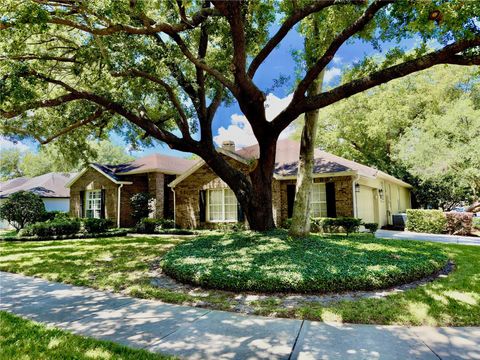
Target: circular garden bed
[{"x": 274, "y": 262}]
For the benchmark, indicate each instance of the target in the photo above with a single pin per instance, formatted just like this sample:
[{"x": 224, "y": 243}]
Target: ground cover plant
[
  {"x": 24, "y": 339},
  {"x": 275, "y": 262},
  {"x": 129, "y": 265}
]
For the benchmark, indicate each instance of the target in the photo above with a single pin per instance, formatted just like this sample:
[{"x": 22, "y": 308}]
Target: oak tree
[{"x": 159, "y": 70}]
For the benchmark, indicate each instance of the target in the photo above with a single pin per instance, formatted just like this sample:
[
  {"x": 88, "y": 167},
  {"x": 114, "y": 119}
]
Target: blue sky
[{"x": 229, "y": 123}]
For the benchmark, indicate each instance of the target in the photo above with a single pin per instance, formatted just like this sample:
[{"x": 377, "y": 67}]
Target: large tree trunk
[
  {"x": 259, "y": 210},
  {"x": 301, "y": 208}
]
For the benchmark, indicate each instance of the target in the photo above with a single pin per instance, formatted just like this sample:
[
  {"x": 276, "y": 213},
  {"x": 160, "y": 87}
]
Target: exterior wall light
[
  {"x": 380, "y": 193},
  {"x": 357, "y": 188}
]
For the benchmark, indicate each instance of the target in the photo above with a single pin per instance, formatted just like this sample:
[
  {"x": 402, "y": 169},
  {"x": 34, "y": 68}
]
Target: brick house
[
  {"x": 104, "y": 191},
  {"x": 341, "y": 188}
]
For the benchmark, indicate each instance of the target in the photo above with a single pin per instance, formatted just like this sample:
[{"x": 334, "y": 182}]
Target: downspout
[
  {"x": 355, "y": 210},
  {"x": 118, "y": 204},
  {"x": 174, "y": 209}
]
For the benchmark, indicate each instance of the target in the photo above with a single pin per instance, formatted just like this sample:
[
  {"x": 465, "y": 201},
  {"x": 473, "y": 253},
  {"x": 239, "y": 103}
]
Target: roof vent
[{"x": 228, "y": 145}]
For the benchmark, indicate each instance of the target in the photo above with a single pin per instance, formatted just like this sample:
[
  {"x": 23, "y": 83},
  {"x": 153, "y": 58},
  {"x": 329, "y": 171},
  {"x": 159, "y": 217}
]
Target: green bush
[
  {"x": 52, "y": 228},
  {"x": 335, "y": 225},
  {"x": 372, "y": 227},
  {"x": 140, "y": 204},
  {"x": 22, "y": 208},
  {"x": 150, "y": 226},
  {"x": 94, "y": 226},
  {"x": 426, "y": 221},
  {"x": 476, "y": 222},
  {"x": 55, "y": 214}
]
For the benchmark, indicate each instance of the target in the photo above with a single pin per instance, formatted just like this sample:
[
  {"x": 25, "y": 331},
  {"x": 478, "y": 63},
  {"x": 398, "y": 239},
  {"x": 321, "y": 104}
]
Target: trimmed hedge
[
  {"x": 52, "y": 228},
  {"x": 94, "y": 226},
  {"x": 476, "y": 222},
  {"x": 371, "y": 227},
  {"x": 150, "y": 226},
  {"x": 459, "y": 223},
  {"x": 273, "y": 262},
  {"x": 111, "y": 233},
  {"x": 426, "y": 221},
  {"x": 334, "y": 225}
]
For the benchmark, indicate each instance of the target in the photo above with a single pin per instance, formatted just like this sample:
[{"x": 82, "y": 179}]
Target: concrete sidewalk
[
  {"x": 196, "y": 333},
  {"x": 442, "y": 238}
]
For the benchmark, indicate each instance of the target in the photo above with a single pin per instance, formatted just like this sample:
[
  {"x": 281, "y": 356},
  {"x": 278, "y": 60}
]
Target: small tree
[
  {"x": 22, "y": 208},
  {"x": 140, "y": 205}
]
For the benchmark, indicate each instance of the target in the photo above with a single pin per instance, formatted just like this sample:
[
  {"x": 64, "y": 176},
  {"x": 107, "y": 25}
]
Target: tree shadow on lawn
[{"x": 277, "y": 263}]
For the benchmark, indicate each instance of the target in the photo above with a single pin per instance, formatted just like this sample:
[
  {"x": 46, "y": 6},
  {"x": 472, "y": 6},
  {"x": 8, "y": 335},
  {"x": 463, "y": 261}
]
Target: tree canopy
[
  {"x": 160, "y": 69},
  {"x": 424, "y": 128},
  {"x": 15, "y": 163}
]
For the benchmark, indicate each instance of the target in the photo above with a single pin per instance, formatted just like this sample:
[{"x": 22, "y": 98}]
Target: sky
[{"x": 229, "y": 122}]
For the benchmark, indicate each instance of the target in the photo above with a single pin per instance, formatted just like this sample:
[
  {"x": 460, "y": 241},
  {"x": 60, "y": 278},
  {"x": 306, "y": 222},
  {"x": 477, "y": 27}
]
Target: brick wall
[
  {"x": 187, "y": 209},
  {"x": 187, "y": 196},
  {"x": 93, "y": 180}
]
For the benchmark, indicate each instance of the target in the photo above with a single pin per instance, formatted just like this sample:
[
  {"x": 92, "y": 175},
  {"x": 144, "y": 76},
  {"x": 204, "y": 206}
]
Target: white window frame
[
  {"x": 323, "y": 203},
  {"x": 96, "y": 200},
  {"x": 222, "y": 220}
]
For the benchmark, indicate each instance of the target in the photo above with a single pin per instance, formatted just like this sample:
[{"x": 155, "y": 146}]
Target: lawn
[
  {"x": 126, "y": 265},
  {"x": 24, "y": 339}
]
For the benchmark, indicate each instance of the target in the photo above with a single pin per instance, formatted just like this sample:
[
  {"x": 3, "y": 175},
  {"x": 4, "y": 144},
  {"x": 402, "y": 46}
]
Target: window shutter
[
  {"x": 102, "y": 205},
  {"x": 331, "y": 206},
  {"x": 290, "y": 199},
  {"x": 202, "y": 202},
  {"x": 82, "y": 204},
  {"x": 240, "y": 214}
]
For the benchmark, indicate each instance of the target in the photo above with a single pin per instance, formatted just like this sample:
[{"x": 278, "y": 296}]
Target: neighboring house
[
  {"x": 50, "y": 187},
  {"x": 341, "y": 188},
  {"x": 104, "y": 191}
]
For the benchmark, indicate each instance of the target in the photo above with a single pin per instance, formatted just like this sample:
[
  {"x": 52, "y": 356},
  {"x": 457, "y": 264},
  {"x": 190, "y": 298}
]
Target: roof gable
[{"x": 51, "y": 185}]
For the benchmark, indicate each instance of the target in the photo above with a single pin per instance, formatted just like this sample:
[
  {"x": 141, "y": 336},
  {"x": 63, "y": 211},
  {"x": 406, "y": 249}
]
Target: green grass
[
  {"x": 24, "y": 339},
  {"x": 274, "y": 262},
  {"x": 124, "y": 264}
]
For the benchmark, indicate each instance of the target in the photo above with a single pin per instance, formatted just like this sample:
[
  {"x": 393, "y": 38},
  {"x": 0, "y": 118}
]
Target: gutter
[{"x": 118, "y": 203}]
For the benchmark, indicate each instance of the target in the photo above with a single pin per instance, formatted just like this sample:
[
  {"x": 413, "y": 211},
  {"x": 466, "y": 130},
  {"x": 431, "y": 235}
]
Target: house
[
  {"x": 104, "y": 191},
  {"x": 341, "y": 188},
  {"x": 50, "y": 187}
]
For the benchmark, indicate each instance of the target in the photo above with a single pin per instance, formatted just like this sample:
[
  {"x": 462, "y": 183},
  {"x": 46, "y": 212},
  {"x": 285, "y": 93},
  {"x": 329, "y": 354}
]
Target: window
[
  {"x": 93, "y": 204},
  {"x": 318, "y": 200},
  {"x": 221, "y": 205}
]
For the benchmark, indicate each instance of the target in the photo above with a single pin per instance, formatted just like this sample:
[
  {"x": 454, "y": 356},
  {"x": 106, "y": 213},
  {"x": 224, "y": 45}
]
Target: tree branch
[
  {"x": 446, "y": 55},
  {"x": 36, "y": 57},
  {"x": 40, "y": 104},
  {"x": 464, "y": 60},
  {"x": 346, "y": 34},
  {"x": 287, "y": 25}
]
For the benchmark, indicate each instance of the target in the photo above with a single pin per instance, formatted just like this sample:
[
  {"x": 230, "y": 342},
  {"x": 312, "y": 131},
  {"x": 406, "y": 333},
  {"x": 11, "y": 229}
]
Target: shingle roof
[
  {"x": 150, "y": 163},
  {"x": 51, "y": 185},
  {"x": 286, "y": 160}
]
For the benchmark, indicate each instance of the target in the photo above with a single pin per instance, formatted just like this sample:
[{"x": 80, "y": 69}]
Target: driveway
[
  {"x": 447, "y": 239},
  {"x": 196, "y": 333}
]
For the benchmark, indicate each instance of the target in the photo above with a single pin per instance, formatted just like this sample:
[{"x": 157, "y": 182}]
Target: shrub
[
  {"x": 372, "y": 227},
  {"x": 52, "y": 228},
  {"x": 55, "y": 214},
  {"x": 150, "y": 226},
  {"x": 349, "y": 224},
  {"x": 140, "y": 204},
  {"x": 94, "y": 226},
  {"x": 459, "y": 223},
  {"x": 426, "y": 221},
  {"x": 476, "y": 222},
  {"x": 22, "y": 208}
]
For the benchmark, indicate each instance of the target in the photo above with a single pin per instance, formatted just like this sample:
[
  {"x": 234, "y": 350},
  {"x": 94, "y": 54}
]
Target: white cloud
[
  {"x": 240, "y": 130},
  {"x": 7, "y": 144},
  {"x": 331, "y": 73},
  {"x": 337, "y": 59}
]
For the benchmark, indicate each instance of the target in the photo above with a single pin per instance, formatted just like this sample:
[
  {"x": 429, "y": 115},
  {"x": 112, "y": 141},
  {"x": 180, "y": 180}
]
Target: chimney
[{"x": 228, "y": 145}]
